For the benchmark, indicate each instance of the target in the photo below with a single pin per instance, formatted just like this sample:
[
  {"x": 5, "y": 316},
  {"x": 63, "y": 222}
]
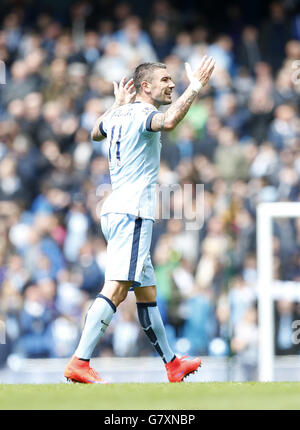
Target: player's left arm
[{"x": 124, "y": 93}]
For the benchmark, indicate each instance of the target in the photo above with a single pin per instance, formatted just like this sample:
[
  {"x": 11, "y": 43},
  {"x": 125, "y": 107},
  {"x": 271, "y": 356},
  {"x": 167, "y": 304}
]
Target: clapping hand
[{"x": 124, "y": 93}]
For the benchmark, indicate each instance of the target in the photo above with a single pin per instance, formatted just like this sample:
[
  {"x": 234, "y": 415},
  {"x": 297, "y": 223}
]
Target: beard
[{"x": 162, "y": 102}]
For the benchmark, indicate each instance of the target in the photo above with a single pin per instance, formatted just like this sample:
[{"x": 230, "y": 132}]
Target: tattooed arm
[
  {"x": 123, "y": 94},
  {"x": 177, "y": 111}
]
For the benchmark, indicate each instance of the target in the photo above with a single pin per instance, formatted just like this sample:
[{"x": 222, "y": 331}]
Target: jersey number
[{"x": 118, "y": 157}]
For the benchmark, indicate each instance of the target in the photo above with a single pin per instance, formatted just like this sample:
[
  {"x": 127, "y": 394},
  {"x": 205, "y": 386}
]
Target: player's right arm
[
  {"x": 177, "y": 111},
  {"x": 124, "y": 93}
]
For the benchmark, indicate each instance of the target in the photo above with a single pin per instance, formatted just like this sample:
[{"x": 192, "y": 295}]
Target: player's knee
[
  {"x": 122, "y": 295},
  {"x": 117, "y": 291},
  {"x": 146, "y": 294}
]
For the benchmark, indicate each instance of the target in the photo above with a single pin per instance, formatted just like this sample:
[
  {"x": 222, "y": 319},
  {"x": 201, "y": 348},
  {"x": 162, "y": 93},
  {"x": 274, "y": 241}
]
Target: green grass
[{"x": 213, "y": 395}]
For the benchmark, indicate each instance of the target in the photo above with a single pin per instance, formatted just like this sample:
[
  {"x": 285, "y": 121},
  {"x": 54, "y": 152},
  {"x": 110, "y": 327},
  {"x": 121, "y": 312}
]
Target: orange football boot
[
  {"x": 179, "y": 368},
  {"x": 80, "y": 371}
]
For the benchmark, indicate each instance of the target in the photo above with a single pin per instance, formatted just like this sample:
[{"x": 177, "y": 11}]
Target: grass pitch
[{"x": 163, "y": 396}]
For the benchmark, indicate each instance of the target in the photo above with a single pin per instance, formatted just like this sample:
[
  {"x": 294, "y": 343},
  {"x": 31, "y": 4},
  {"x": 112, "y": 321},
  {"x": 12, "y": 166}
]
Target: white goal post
[{"x": 265, "y": 214}]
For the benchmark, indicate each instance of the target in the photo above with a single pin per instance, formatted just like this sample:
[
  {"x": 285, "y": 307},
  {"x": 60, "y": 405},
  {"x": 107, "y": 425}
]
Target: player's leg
[
  {"x": 122, "y": 233},
  {"x": 100, "y": 315},
  {"x": 145, "y": 292},
  {"x": 97, "y": 320},
  {"x": 118, "y": 230},
  {"x": 151, "y": 321},
  {"x": 152, "y": 324}
]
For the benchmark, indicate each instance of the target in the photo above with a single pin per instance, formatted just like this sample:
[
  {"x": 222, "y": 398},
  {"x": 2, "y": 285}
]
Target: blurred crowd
[{"x": 240, "y": 139}]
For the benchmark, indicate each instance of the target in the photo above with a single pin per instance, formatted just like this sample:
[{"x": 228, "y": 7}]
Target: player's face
[{"x": 162, "y": 87}]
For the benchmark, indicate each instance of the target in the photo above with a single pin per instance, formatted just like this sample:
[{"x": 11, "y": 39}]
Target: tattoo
[
  {"x": 158, "y": 122},
  {"x": 178, "y": 109},
  {"x": 161, "y": 122}
]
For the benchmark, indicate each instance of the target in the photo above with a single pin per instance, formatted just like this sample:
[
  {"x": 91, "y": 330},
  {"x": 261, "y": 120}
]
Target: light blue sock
[
  {"x": 97, "y": 320},
  {"x": 153, "y": 326}
]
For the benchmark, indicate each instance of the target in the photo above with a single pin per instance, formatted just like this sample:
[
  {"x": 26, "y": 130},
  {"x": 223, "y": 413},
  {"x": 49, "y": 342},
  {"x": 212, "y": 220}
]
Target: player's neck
[{"x": 146, "y": 99}]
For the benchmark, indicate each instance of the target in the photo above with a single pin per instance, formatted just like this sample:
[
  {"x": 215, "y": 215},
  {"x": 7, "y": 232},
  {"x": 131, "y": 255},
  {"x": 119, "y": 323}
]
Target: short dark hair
[{"x": 143, "y": 72}]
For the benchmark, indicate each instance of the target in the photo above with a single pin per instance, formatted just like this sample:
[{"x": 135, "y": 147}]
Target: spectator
[
  {"x": 249, "y": 51},
  {"x": 244, "y": 344}
]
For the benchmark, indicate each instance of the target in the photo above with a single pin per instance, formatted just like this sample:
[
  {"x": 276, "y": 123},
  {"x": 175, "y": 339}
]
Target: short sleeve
[
  {"x": 101, "y": 129},
  {"x": 149, "y": 119},
  {"x": 146, "y": 115},
  {"x": 103, "y": 126}
]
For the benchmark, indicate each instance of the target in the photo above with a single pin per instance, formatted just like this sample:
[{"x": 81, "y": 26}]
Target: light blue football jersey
[{"x": 134, "y": 160}]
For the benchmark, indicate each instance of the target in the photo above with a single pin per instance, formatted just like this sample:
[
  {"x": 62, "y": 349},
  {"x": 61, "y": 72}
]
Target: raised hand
[
  {"x": 204, "y": 71},
  {"x": 177, "y": 111},
  {"x": 124, "y": 93}
]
